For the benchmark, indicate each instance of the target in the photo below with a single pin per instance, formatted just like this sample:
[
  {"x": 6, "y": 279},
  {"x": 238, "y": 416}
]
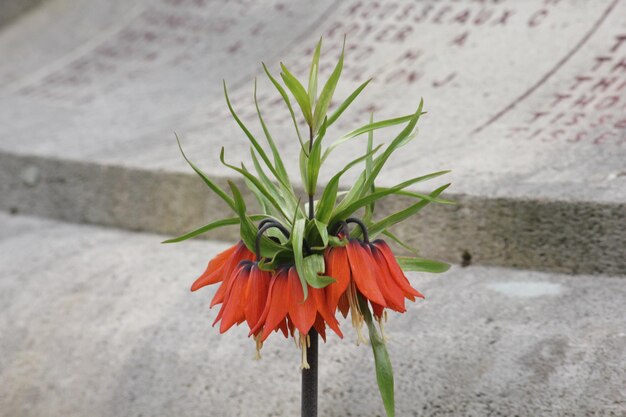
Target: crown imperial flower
[{"x": 297, "y": 264}]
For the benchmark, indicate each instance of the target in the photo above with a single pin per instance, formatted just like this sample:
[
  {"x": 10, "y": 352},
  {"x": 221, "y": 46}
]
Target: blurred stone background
[{"x": 526, "y": 104}]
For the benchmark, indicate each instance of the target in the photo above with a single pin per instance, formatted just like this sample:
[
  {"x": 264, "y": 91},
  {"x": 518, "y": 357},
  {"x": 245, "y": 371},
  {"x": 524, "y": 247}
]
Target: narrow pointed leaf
[
  {"x": 249, "y": 135},
  {"x": 231, "y": 221},
  {"x": 382, "y": 362},
  {"x": 248, "y": 230},
  {"x": 346, "y": 103},
  {"x": 280, "y": 167},
  {"x": 214, "y": 187},
  {"x": 401, "y": 215},
  {"x": 297, "y": 237},
  {"x": 298, "y": 92},
  {"x": 322, "y": 229},
  {"x": 327, "y": 93},
  {"x": 257, "y": 183},
  {"x": 400, "y": 242},
  {"x": 422, "y": 265},
  {"x": 312, "y": 90},
  {"x": 346, "y": 211},
  {"x": 369, "y": 163},
  {"x": 285, "y": 97},
  {"x": 329, "y": 196},
  {"x": 365, "y": 129}
]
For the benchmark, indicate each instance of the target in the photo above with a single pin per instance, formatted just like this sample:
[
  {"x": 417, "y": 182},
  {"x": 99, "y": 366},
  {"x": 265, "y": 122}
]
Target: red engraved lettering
[
  {"x": 405, "y": 12},
  {"x": 579, "y": 79},
  {"x": 573, "y": 119},
  {"x": 461, "y": 17},
  {"x": 425, "y": 12},
  {"x": 403, "y": 33},
  {"x": 619, "y": 40},
  {"x": 603, "y": 84},
  {"x": 583, "y": 101},
  {"x": 621, "y": 124},
  {"x": 577, "y": 137},
  {"x": 442, "y": 12},
  {"x": 537, "y": 115},
  {"x": 482, "y": 16},
  {"x": 600, "y": 60},
  {"x": 387, "y": 10},
  {"x": 383, "y": 33},
  {"x": 372, "y": 6},
  {"x": 554, "y": 135},
  {"x": 600, "y": 139},
  {"x": 559, "y": 98},
  {"x": 607, "y": 102},
  {"x": 621, "y": 65},
  {"x": 537, "y": 18},
  {"x": 444, "y": 81},
  {"x": 460, "y": 39},
  {"x": 503, "y": 20}
]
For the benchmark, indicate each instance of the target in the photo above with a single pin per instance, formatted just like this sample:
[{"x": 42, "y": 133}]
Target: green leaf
[
  {"x": 283, "y": 195},
  {"x": 298, "y": 92},
  {"x": 364, "y": 129},
  {"x": 400, "y": 242},
  {"x": 304, "y": 172},
  {"x": 297, "y": 237},
  {"x": 369, "y": 163},
  {"x": 314, "y": 162},
  {"x": 327, "y": 92},
  {"x": 422, "y": 265},
  {"x": 382, "y": 362},
  {"x": 312, "y": 90},
  {"x": 322, "y": 228},
  {"x": 313, "y": 267},
  {"x": 231, "y": 221},
  {"x": 285, "y": 97},
  {"x": 343, "y": 106},
  {"x": 362, "y": 184},
  {"x": 326, "y": 203},
  {"x": 249, "y": 135},
  {"x": 280, "y": 167},
  {"x": 401, "y": 215},
  {"x": 248, "y": 229},
  {"x": 214, "y": 187},
  {"x": 257, "y": 183},
  {"x": 347, "y": 210}
]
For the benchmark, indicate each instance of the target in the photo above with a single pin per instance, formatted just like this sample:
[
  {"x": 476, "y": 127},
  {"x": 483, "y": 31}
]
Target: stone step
[
  {"x": 101, "y": 322},
  {"x": 532, "y": 126}
]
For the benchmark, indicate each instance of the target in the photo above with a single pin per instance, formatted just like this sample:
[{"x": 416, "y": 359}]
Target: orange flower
[
  {"x": 221, "y": 268},
  {"x": 286, "y": 308},
  {"x": 369, "y": 270}
]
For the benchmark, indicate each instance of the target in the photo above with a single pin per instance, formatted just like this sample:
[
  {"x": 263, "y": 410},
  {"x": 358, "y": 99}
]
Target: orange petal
[
  {"x": 324, "y": 311},
  {"x": 233, "y": 308},
  {"x": 360, "y": 265},
  {"x": 241, "y": 254},
  {"x": 337, "y": 267},
  {"x": 396, "y": 271},
  {"x": 344, "y": 305},
  {"x": 256, "y": 294},
  {"x": 320, "y": 327},
  {"x": 301, "y": 313},
  {"x": 277, "y": 306},
  {"x": 378, "y": 310},
  {"x": 393, "y": 294}
]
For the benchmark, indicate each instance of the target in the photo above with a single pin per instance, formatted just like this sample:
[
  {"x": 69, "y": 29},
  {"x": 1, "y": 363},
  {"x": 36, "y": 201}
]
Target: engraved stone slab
[
  {"x": 525, "y": 103},
  {"x": 524, "y": 98}
]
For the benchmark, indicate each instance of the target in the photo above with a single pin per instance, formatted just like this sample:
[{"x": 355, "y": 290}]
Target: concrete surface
[
  {"x": 525, "y": 103},
  {"x": 100, "y": 322}
]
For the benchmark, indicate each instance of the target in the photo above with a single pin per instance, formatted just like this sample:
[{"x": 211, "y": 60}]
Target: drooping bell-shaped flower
[{"x": 286, "y": 308}]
